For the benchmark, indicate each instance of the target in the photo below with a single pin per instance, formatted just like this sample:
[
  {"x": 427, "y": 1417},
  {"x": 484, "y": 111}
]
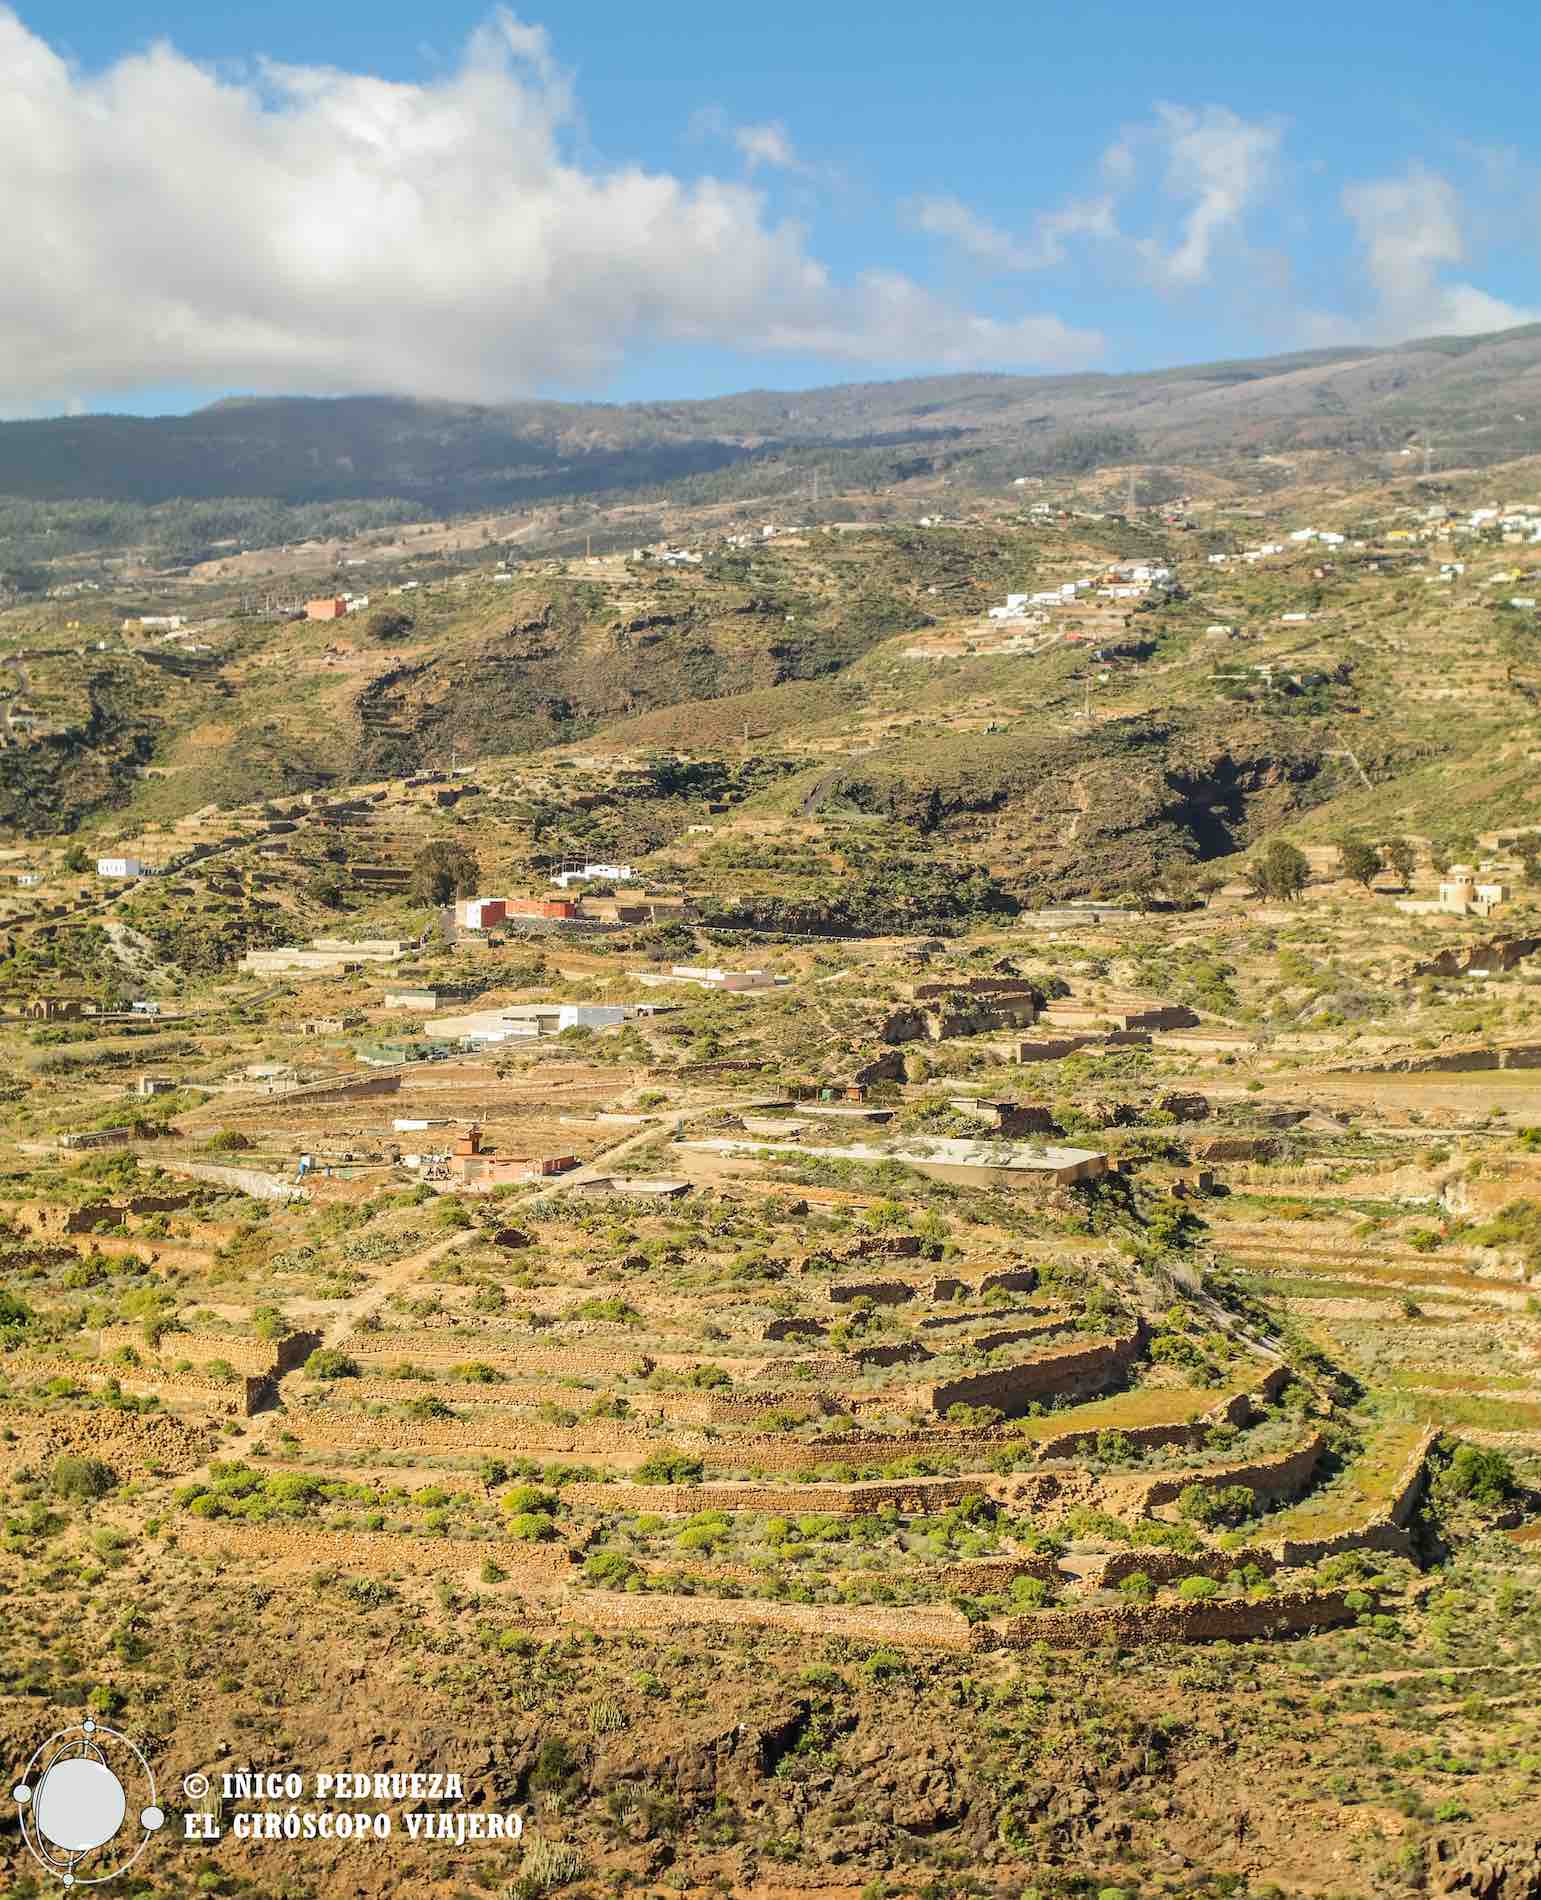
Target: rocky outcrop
[{"x": 1486, "y": 1869}]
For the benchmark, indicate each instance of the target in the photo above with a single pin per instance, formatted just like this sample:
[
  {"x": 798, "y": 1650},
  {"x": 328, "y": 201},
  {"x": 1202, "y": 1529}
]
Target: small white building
[
  {"x": 119, "y": 867},
  {"x": 1460, "y": 895},
  {"x": 609, "y": 873}
]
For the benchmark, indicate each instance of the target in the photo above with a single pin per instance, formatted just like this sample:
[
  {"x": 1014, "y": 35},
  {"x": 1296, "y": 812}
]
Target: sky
[{"x": 606, "y": 202}]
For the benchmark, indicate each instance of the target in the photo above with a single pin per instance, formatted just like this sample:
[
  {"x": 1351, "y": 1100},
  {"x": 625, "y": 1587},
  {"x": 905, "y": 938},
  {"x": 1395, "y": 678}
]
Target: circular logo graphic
[{"x": 74, "y": 1800}]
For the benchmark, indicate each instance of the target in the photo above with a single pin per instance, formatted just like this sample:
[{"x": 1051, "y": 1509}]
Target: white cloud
[
  {"x": 1412, "y": 229},
  {"x": 1216, "y": 164},
  {"x": 1208, "y": 161},
  {"x": 944, "y": 216},
  {"x": 1081, "y": 218},
  {"x": 941, "y": 215},
  {"x": 310, "y": 228},
  {"x": 768, "y": 144}
]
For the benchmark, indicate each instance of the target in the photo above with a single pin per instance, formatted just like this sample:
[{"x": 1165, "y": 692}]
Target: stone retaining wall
[
  {"x": 253, "y": 1181},
  {"x": 260, "y": 1358},
  {"x": 917, "y": 1628},
  {"x": 237, "y": 1397},
  {"x": 1080, "y": 1373},
  {"x": 794, "y": 1329},
  {"x": 1284, "y": 1476},
  {"x": 1238, "y": 1409},
  {"x": 988, "y": 1576},
  {"x": 1170, "y": 1566},
  {"x": 379, "y": 1552},
  {"x": 912, "y": 1497},
  {"x": 135, "y": 1444},
  {"x": 880, "y": 1292},
  {"x": 1132, "y": 1626},
  {"x": 766, "y": 1452},
  {"x": 1386, "y": 1531}
]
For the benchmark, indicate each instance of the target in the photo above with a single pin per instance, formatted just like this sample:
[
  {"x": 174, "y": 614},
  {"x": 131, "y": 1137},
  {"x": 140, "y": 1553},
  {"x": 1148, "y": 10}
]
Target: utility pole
[{"x": 1428, "y": 454}]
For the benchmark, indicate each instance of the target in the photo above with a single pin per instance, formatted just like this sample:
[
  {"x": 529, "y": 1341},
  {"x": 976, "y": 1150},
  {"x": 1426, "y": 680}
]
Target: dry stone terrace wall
[
  {"x": 1283, "y": 1476},
  {"x": 1383, "y": 1530},
  {"x": 1087, "y": 1370},
  {"x": 987, "y": 1576},
  {"x": 53, "y": 1217},
  {"x": 1238, "y": 1409},
  {"x": 261, "y": 1358},
  {"x": 794, "y": 1329},
  {"x": 380, "y": 1552},
  {"x": 684, "y": 1408},
  {"x": 153, "y": 1253},
  {"x": 1169, "y": 1566},
  {"x": 916, "y": 1628},
  {"x": 932, "y": 1628},
  {"x": 912, "y": 1497},
  {"x": 237, "y": 1397},
  {"x": 1134, "y": 1626},
  {"x": 134, "y": 1444},
  {"x": 770, "y": 1453},
  {"x": 372, "y": 1350}
]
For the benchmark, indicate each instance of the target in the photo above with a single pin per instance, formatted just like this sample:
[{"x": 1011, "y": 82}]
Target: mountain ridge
[{"x": 1475, "y": 394}]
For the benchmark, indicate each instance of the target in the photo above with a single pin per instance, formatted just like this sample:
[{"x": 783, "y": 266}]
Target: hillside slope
[{"x": 1475, "y": 393}]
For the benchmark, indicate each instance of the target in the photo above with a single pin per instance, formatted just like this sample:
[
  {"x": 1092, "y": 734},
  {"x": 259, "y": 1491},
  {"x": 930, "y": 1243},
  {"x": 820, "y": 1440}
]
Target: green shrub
[
  {"x": 610, "y": 1569},
  {"x": 83, "y": 1478},
  {"x": 1212, "y": 1506},
  {"x": 525, "y": 1498},
  {"x": 531, "y": 1527},
  {"x": 1479, "y": 1474},
  {"x": 329, "y": 1362},
  {"x": 668, "y": 1466}
]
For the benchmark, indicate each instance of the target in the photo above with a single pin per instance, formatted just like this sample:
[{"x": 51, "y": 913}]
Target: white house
[{"x": 119, "y": 867}]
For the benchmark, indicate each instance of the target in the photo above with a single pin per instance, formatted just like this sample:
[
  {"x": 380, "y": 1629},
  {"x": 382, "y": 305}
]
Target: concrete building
[
  {"x": 119, "y": 867},
  {"x": 1460, "y": 895},
  {"x": 556, "y": 908},
  {"x": 590, "y": 1015},
  {"x": 636, "y": 1190},
  {"x": 491, "y": 1026},
  {"x": 334, "y": 607},
  {"x": 480, "y": 913},
  {"x": 718, "y": 979},
  {"x": 326, "y": 956},
  {"x": 606, "y": 873},
  {"x": 966, "y": 1163}
]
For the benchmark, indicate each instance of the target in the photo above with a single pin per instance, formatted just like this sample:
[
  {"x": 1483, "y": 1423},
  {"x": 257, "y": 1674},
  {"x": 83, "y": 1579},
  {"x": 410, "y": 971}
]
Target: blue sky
[{"x": 603, "y": 202}]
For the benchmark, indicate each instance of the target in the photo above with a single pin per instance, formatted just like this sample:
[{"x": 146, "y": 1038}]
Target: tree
[
  {"x": 1281, "y": 872},
  {"x": 1358, "y": 860},
  {"x": 444, "y": 870},
  {"x": 75, "y": 858},
  {"x": 1402, "y": 857},
  {"x": 388, "y": 624}
]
